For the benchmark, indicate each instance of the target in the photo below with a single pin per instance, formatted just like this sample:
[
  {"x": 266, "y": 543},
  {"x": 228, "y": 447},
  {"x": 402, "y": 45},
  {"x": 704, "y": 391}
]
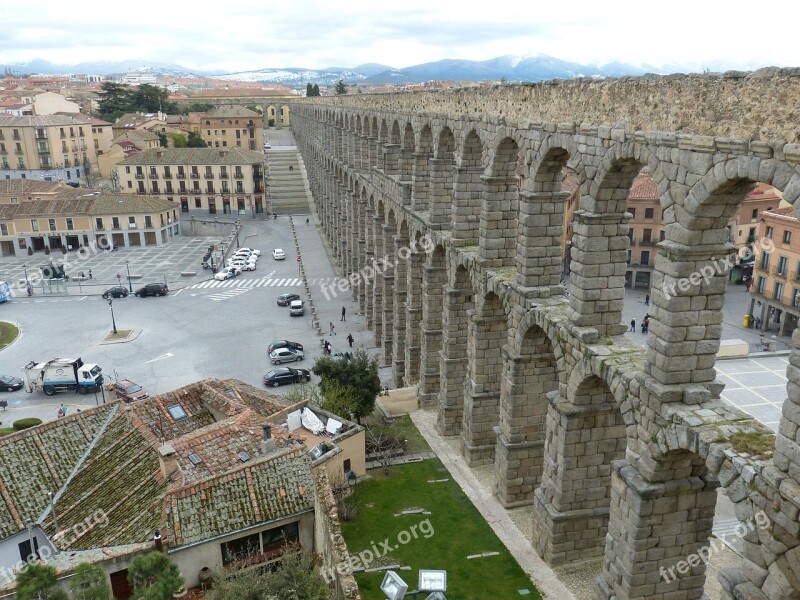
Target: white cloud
[{"x": 250, "y": 34}]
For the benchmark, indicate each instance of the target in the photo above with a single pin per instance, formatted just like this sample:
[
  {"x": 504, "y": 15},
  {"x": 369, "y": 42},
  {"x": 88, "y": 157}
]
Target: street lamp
[
  {"x": 352, "y": 479},
  {"x": 27, "y": 283},
  {"x": 128, "y": 267},
  {"x": 113, "y": 322}
]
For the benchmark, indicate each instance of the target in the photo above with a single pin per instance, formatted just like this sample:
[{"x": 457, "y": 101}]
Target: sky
[{"x": 248, "y": 35}]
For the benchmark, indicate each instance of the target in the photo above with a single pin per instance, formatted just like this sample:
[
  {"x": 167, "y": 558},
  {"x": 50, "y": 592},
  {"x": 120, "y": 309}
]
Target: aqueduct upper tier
[{"x": 445, "y": 211}]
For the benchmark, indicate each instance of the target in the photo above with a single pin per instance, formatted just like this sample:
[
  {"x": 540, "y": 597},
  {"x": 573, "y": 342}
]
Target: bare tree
[{"x": 384, "y": 444}]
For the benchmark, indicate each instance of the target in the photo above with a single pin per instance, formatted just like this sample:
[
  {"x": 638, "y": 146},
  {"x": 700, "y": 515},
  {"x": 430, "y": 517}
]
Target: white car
[
  {"x": 250, "y": 266},
  {"x": 227, "y": 273},
  {"x": 278, "y": 254},
  {"x": 250, "y": 250},
  {"x": 282, "y": 355},
  {"x": 240, "y": 256}
]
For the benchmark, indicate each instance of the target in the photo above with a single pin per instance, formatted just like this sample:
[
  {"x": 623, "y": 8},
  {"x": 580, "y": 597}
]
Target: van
[{"x": 297, "y": 308}]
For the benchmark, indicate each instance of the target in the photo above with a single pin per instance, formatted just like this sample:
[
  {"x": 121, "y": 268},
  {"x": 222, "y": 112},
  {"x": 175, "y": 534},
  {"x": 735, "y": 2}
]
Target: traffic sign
[{"x": 298, "y": 259}]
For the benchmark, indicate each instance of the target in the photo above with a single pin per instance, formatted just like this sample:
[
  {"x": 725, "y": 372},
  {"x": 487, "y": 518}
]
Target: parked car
[
  {"x": 10, "y": 384},
  {"x": 284, "y": 344},
  {"x": 282, "y": 355},
  {"x": 250, "y": 250},
  {"x": 248, "y": 266},
  {"x": 283, "y": 375},
  {"x": 296, "y": 308},
  {"x": 285, "y": 299},
  {"x": 278, "y": 254},
  {"x": 115, "y": 292},
  {"x": 240, "y": 264},
  {"x": 267, "y": 146},
  {"x": 226, "y": 273},
  {"x": 245, "y": 254},
  {"x": 152, "y": 289},
  {"x": 129, "y": 391}
]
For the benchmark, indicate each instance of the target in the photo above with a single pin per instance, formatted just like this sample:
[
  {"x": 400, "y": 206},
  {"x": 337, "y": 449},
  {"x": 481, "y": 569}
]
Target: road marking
[
  {"x": 228, "y": 294},
  {"x": 163, "y": 356},
  {"x": 178, "y": 292}
]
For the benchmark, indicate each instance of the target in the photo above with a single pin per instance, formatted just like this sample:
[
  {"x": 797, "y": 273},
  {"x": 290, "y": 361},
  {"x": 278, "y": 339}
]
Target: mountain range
[{"x": 537, "y": 67}]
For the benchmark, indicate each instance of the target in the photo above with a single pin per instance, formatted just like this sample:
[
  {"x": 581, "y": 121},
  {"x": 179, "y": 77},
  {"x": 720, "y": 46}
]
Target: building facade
[
  {"x": 233, "y": 127},
  {"x": 53, "y": 147},
  {"x": 74, "y": 219},
  {"x": 202, "y": 180}
]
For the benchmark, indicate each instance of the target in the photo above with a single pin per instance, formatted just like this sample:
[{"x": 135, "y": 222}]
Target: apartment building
[
  {"x": 232, "y": 127},
  {"x": 204, "y": 180},
  {"x": 776, "y": 273},
  {"x": 76, "y": 218},
  {"x": 52, "y": 147},
  {"x": 14, "y": 191}
]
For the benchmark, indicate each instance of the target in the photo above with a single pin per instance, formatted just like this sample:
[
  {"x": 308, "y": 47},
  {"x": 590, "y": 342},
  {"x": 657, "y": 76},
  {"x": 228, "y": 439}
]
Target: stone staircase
[{"x": 290, "y": 195}]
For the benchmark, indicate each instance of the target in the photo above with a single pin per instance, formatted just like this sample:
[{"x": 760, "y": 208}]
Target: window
[
  {"x": 769, "y": 232},
  {"x": 645, "y": 260},
  {"x": 177, "y": 412},
  {"x": 764, "y": 263},
  {"x": 3, "y": 229},
  {"x": 783, "y": 265},
  {"x": 99, "y": 223},
  {"x": 648, "y": 213},
  {"x": 628, "y": 261},
  {"x": 241, "y": 549},
  {"x": 70, "y": 224},
  {"x": 127, "y": 170},
  {"x": 787, "y": 237},
  {"x": 34, "y": 225},
  {"x": 778, "y": 292},
  {"x": 751, "y": 235},
  {"x": 153, "y": 172},
  {"x": 647, "y": 235},
  {"x": 762, "y": 284},
  {"x": 148, "y": 221},
  {"x": 115, "y": 222},
  {"x": 130, "y": 184},
  {"x": 346, "y": 466},
  {"x": 14, "y": 200},
  {"x": 633, "y": 212},
  {"x": 131, "y": 222},
  {"x": 167, "y": 173},
  {"x": 194, "y": 459},
  {"x": 755, "y": 214},
  {"x": 198, "y": 203}
]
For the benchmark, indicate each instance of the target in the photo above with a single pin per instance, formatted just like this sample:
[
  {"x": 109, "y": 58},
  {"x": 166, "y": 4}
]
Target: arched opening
[
  {"x": 442, "y": 177},
  {"x": 466, "y": 192},
  {"x": 498, "y": 217},
  {"x": 434, "y": 282}
]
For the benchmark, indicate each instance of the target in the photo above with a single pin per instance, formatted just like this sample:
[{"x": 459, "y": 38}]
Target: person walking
[
  {"x": 306, "y": 220},
  {"x": 90, "y": 273},
  {"x": 647, "y": 300},
  {"x": 350, "y": 339},
  {"x": 633, "y": 325},
  {"x": 332, "y": 332},
  {"x": 344, "y": 312},
  {"x": 62, "y": 410}
]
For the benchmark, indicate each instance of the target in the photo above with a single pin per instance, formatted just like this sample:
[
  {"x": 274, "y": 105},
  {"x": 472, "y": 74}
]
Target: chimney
[
  {"x": 267, "y": 442},
  {"x": 157, "y": 541},
  {"x": 168, "y": 460}
]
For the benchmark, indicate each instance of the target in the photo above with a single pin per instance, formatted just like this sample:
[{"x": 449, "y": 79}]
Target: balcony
[
  {"x": 17, "y": 137},
  {"x": 153, "y": 175},
  {"x": 181, "y": 175},
  {"x": 195, "y": 175},
  {"x": 100, "y": 228},
  {"x": 40, "y": 136},
  {"x": 139, "y": 176},
  {"x": 63, "y": 135},
  {"x": 67, "y": 164},
  {"x": 223, "y": 175},
  {"x": 131, "y": 225},
  {"x": 208, "y": 175},
  {"x": 780, "y": 271},
  {"x": 647, "y": 242}
]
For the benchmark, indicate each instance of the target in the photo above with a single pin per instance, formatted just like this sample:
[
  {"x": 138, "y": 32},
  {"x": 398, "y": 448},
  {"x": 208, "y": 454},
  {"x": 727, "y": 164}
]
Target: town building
[
  {"x": 204, "y": 180},
  {"x": 53, "y": 147},
  {"x": 14, "y": 191},
  {"x": 232, "y": 127},
  {"x": 80, "y": 217},
  {"x": 776, "y": 271},
  {"x": 218, "y": 474},
  {"x": 124, "y": 145}
]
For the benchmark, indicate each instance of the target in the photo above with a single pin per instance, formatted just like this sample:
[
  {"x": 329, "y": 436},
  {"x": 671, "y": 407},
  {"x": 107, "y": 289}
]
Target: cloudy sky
[{"x": 249, "y": 34}]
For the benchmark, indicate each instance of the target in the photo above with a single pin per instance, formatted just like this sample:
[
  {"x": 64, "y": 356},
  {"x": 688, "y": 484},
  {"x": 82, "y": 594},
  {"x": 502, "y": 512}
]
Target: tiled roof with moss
[
  {"x": 71, "y": 204},
  {"x": 263, "y": 490},
  {"x": 9, "y": 187},
  {"x": 194, "y": 156},
  {"x": 232, "y": 111}
]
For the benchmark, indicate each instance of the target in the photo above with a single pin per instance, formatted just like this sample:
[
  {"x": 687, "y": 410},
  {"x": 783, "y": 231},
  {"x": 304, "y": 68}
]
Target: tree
[
  {"x": 154, "y": 576},
  {"x": 309, "y": 89},
  {"x": 196, "y": 141},
  {"x": 178, "y": 139},
  {"x": 90, "y": 583},
  {"x": 39, "y": 581},
  {"x": 359, "y": 376},
  {"x": 316, "y": 90},
  {"x": 297, "y": 578},
  {"x": 385, "y": 444},
  {"x": 162, "y": 139},
  {"x": 115, "y": 100},
  {"x": 197, "y": 107},
  {"x": 341, "y": 88},
  {"x": 149, "y": 98}
]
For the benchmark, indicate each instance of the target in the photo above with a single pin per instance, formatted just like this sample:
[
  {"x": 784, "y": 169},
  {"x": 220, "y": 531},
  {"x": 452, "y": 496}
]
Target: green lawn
[
  {"x": 441, "y": 540},
  {"x": 8, "y": 333}
]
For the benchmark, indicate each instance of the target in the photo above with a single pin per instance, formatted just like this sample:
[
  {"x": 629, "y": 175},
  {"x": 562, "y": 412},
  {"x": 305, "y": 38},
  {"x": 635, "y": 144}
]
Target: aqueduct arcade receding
[{"x": 445, "y": 210}]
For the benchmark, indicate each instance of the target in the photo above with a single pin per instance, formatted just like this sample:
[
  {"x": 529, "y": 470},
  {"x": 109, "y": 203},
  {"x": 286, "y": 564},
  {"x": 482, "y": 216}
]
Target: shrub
[
  {"x": 26, "y": 423},
  {"x": 6, "y": 430}
]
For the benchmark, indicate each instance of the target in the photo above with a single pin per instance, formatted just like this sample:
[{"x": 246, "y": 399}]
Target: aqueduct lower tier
[{"x": 445, "y": 210}]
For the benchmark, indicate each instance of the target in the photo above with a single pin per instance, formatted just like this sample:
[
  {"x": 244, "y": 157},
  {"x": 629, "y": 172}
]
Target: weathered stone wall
[
  {"x": 618, "y": 451},
  {"x": 746, "y": 106}
]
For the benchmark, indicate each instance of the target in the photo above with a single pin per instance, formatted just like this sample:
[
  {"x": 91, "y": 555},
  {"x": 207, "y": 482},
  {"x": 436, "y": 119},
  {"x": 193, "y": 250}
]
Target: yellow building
[
  {"x": 776, "y": 273},
  {"x": 232, "y": 127},
  {"x": 14, "y": 191},
  {"x": 204, "y": 180},
  {"x": 53, "y": 147},
  {"x": 78, "y": 218}
]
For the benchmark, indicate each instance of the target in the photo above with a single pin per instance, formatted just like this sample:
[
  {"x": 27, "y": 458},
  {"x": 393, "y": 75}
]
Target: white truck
[{"x": 62, "y": 374}]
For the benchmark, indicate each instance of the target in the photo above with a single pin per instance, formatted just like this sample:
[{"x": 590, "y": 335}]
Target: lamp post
[
  {"x": 128, "y": 267},
  {"x": 113, "y": 322}
]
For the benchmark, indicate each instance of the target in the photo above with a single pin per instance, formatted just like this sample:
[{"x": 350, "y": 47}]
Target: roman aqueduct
[{"x": 618, "y": 451}]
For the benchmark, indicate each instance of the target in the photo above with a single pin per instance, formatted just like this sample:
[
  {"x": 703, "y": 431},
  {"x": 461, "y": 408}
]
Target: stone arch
[
  {"x": 499, "y": 206},
  {"x": 434, "y": 283},
  {"x": 442, "y": 177},
  {"x": 421, "y": 175},
  {"x": 407, "y": 143},
  {"x": 459, "y": 303},
  {"x": 399, "y": 256},
  {"x": 413, "y": 306},
  {"x": 466, "y": 191},
  {"x": 488, "y": 334}
]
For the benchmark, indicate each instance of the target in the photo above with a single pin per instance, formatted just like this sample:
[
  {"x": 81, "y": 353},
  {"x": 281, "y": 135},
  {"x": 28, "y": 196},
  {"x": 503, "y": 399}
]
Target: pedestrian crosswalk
[
  {"x": 276, "y": 282},
  {"x": 230, "y": 293}
]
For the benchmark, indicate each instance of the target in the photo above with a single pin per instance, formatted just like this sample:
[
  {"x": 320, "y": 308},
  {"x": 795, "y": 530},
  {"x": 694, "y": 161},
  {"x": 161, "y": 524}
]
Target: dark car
[
  {"x": 283, "y": 344},
  {"x": 283, "y": 375},
  {"x": 115, "y": 292},
  {"x": 129, "y": 391},
  {"x": 285, "y": 299},
  {"x": 9, "y": 383},
  {"x": 152, "y": 289}
]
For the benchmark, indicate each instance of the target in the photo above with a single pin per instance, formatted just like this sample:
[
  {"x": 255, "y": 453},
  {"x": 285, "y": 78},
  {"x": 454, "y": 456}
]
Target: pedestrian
[
  {"x": 647, "y": 300},
  {"x": 90, "y": 273},
  {"x": 747, "y": 286},
  {"x": 306, "y": 220},
  {"x": 291, "y": 168},
  {"x": 62, "y": 410},
  {"x": 350, "y": 339},
  {"x": 633, "y": 325},
  {"x": 332, "y": 332},
  {"x": 344, "y": 311},
  {"x": 644, "y": 326}
]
